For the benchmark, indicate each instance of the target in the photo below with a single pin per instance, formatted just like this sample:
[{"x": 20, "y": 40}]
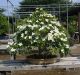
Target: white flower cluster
[
  {"x": 46, "y": 15},
  {"x": 20, "y": 44},
  {"x": 10, "y": 43},
  {"x": 33, "y": 26},
  {"x": 42, "y": 28},
  {"x": 13, "y": 50},
  {"x": 21, "y": 27},
  {"x": 50, "y": 36}
]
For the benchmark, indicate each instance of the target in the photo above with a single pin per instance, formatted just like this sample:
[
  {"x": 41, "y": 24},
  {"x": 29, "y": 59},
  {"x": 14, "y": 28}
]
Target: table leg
[
  {"x": 5, "y": 73},
  {"x": 2, "y": 73}
]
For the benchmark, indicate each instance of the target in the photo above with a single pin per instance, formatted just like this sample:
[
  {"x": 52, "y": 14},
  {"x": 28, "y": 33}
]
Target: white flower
[
  {"x": 36, "y": 10},
  {"x": 56, "y": 34},
  {"x": 13, "y": 50},
  {"x": 58, "y": 23},
  {"x": 35, "y": 25},
  {"x": 61, "y": 33},
  {"x": 14, "y": 34},
  {"x": 25, "y": 37},
  {"x": 24, "y": 26},
  {"x": 51, "y": 31},
  {"x": 42, "y": 28},
  {"x": 41, "y": 8},
  {"x": 41, "y": 15},
  {"x": 29, "y": 25},
  {"x": 22, "y": 35},
  {"x": 42, "y": 22},
  {"x": 43, "y": 39},
  {"x": 49, "y": 15},
  {"x": 25, "y": 32},
  {"x": 56, "y": 30},
  {"x": 67, "y": 46},
  {"x": 34, "y": 41},
  {"x": 18, "y": 27},
  {"x": 63, "y": 39},
  {"x": 50, "y": 37},
  {"x": 50, "y": 25},
  {"x": 20, "y": 44},
  {"x": 33, "y": 33},
  {"x": 21, "y": 27},
  {"x": 10, "y": 43},
  {"x": 46, "y": 20},
  {"x": 30, "y": 14},
  {"x": 30, "y": 37},
  {"x": 29, "y": 21},
  {"x": 32, "y": 27},
  {"x": 53, "y": 22},
  {"x": 8, "y": 46},
  {"x": 62, "y": 50},
  {"x": 37, "y": 37},
  {"x": 37, "y": 21}
]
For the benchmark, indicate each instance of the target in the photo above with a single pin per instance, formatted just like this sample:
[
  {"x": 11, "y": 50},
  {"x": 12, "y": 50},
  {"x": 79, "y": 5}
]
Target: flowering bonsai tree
[{"x": 41, "y": 31}]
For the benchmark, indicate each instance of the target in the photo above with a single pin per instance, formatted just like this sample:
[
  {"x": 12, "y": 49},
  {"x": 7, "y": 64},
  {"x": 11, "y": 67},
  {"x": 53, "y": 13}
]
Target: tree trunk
[{"x": 13, "y": 56}]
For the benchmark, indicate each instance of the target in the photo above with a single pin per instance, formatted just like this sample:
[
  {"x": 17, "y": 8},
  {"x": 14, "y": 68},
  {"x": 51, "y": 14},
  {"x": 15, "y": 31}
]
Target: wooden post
[{"x": 79, "y": 25}]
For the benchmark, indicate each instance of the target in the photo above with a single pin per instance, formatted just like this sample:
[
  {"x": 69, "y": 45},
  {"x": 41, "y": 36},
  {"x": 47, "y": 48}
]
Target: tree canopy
[
  {"x": 3, "y": 23},
  {"x": 39, "y": 2}
]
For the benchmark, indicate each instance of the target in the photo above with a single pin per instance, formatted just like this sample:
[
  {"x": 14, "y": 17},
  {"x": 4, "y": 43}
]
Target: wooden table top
[{"x": 66, "y": 62}]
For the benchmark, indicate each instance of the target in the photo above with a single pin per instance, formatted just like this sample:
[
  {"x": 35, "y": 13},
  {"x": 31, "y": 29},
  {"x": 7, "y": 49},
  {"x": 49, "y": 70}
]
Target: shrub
[{"x": 43, "y": 31}]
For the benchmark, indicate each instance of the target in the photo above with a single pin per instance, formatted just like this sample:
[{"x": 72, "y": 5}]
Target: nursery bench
[
  {"x": 65, "y": 63},
  {"x": 3, "y": 48}
]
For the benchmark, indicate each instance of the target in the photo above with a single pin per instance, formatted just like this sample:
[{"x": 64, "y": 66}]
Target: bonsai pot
[{"x": 39, "y": 59}]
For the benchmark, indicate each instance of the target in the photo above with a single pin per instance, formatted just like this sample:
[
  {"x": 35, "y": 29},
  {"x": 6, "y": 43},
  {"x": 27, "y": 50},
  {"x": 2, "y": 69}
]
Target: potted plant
[{"x": 40, "y": 36}]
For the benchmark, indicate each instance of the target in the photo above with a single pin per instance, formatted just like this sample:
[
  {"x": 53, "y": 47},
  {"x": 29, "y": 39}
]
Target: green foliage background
[{"x": 3, "y": 24}]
